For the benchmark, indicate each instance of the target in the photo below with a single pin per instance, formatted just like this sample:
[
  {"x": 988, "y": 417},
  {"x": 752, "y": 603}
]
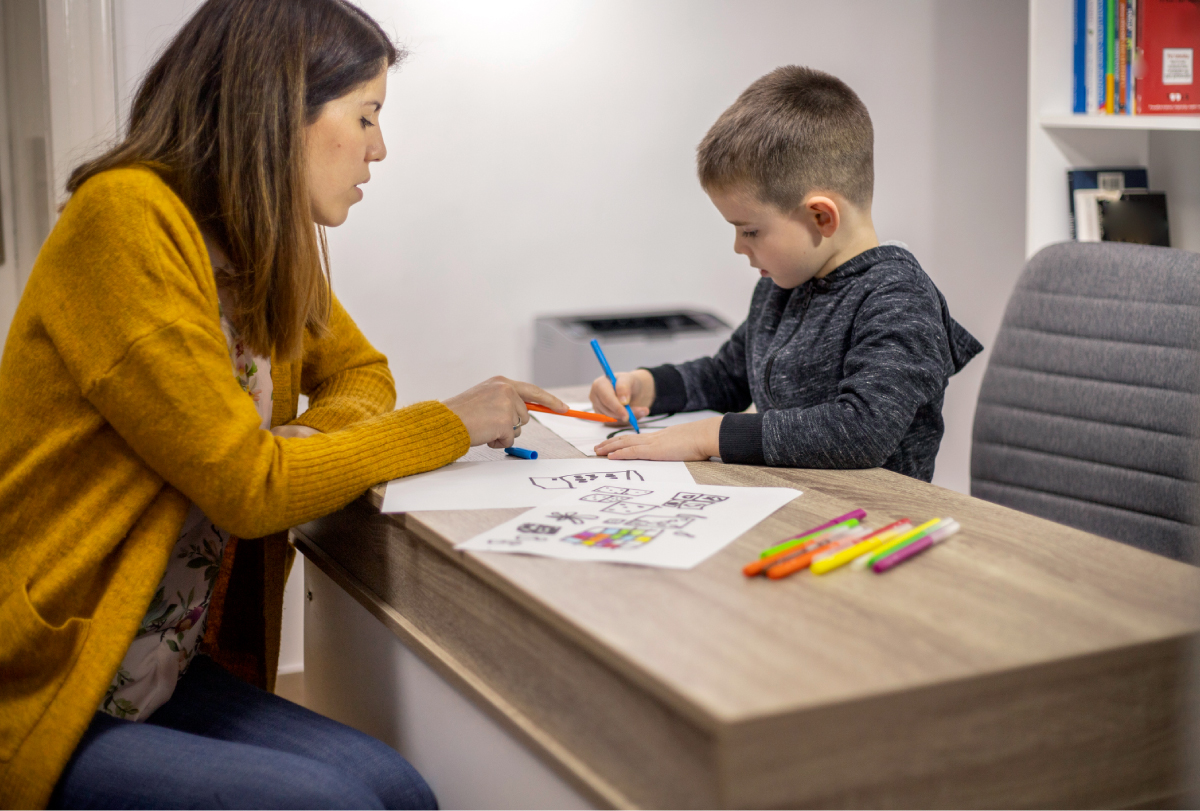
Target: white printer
[{"x": 562, "y": 352}]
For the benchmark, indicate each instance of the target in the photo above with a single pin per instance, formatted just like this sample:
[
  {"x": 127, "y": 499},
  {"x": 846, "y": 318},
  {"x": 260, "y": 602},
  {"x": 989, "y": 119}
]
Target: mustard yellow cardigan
[{"x": 118, "y": 407}]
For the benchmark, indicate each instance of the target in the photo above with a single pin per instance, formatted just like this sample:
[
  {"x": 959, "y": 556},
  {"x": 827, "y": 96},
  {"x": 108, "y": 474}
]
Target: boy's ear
[{"x": 823, "y": 213}]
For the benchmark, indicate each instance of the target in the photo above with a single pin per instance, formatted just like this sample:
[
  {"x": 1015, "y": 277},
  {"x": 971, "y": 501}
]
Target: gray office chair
[{"x": 1089, "y": 413}]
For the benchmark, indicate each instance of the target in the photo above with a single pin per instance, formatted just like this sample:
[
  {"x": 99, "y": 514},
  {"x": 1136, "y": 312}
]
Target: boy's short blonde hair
[{"x": 794, "y": 131}]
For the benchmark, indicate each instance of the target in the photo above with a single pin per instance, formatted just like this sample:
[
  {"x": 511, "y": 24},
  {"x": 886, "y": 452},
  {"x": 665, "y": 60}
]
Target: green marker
[
  {"x": 803, "y": 539},
  {"x": 912, "y": 536}
]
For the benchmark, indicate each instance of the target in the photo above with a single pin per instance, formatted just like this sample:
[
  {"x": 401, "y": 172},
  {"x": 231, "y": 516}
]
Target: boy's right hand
[{"x": 634, "y": 388}]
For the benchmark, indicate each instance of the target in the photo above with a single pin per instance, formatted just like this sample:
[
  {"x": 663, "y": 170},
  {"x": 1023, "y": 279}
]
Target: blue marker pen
[
  {"x": 612, "y": 378},
  {"x": 521, "y": 453}
]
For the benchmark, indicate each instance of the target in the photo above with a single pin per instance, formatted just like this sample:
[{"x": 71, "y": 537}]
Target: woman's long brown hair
[{"x": 221, "y": 118}]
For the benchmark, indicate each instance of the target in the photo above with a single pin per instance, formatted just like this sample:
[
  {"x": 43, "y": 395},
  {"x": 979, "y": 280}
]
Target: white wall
[{"x": 541, "y": 160}]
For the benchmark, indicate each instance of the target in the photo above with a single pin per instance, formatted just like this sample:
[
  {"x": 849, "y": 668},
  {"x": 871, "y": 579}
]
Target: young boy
[{"x": 848, "y": 346}]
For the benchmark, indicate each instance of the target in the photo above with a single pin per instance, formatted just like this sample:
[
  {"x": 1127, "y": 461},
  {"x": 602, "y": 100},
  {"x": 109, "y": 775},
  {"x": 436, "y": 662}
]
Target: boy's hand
[
  {"x": 633, "y": 388},
  {"x": 690, "y": 442}
]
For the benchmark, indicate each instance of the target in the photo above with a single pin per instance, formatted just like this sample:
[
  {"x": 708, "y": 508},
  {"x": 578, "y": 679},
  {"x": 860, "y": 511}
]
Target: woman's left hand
[
  {"x": 294, "y": 431},
  {"x": 690, "y": 442}
]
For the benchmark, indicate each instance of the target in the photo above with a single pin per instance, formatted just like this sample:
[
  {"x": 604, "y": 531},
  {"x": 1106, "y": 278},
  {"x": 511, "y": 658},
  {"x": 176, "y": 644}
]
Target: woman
[{"x": 148, "y": 393}]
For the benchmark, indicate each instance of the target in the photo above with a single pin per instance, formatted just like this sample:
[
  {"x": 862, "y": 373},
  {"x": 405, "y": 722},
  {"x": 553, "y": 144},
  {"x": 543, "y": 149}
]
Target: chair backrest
[{"x": 1089, "y": 413}]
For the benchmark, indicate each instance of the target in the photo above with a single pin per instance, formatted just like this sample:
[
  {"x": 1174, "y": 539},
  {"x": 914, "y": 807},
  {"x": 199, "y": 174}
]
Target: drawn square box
[{"x": 629, "y": 508}]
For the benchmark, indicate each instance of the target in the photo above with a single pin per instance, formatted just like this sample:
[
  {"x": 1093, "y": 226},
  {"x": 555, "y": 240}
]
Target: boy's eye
[{"x": 749, "y": 233}]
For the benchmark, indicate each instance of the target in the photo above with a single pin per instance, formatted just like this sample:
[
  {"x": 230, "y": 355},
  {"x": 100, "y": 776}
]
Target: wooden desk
[{"x": 1021, "y": 664}]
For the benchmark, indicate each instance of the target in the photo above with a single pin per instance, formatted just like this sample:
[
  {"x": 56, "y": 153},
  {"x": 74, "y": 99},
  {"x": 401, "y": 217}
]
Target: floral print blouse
[{"x": 173, "y": 626}]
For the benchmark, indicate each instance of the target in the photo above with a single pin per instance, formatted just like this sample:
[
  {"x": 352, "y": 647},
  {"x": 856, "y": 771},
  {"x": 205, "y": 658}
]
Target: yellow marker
[
  {"x": 844, "y": 556},
  {"x": 866, "y": 560}
]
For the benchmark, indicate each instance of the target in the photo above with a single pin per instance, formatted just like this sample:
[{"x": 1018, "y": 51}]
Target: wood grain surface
[{"x": 1020, "y": 663}]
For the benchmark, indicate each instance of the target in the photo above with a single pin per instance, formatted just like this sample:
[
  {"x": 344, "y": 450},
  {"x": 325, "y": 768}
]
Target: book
[
  {"x": 1079, "y": 101},
  {"x": 1169, "y": 34},
  {"x": 1109, "y": 179},
  {"x": 1092, "y": 57},
  {"x": 1135, "y": 216},
  {"x": 1131, "y": 56},
  {"x": 1119, "y": 82},
  {"x": 1110, "y": 55},
  {"x": 1101, "y": 55}
]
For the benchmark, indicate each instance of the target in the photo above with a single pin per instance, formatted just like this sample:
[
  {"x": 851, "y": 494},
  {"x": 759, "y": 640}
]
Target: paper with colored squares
[{"x": 644, "y": 522}]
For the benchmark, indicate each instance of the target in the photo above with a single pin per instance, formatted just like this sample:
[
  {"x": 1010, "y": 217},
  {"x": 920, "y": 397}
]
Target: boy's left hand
[{"x": 690, "y": 442}]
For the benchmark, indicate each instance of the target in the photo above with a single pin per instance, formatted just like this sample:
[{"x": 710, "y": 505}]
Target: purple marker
[{"x": 913, "y": 549}]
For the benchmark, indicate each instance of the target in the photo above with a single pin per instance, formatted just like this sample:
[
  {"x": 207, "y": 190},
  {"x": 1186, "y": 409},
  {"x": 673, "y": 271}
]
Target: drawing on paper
[
  {"x": 613, "y": 537},
  {"x": 571, "y": 517},
  {"x": 597, "y": 498},
  {"x": 611, "y": 495},
  {"x": 538, "y": 529},
  {"x": 622, "y": 491},
  {"x": 693, "y": 501},
  {"x": 629, "y": 508},
  {"x": 576, "y": 480},
  {"x": 663, "y": 521}
]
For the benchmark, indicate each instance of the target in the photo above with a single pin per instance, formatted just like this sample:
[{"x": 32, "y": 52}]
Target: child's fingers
[
  {"x": 604, "y": 399},
  {"x": 623, "y": 441},
  {"x": 624, "y": 389}
]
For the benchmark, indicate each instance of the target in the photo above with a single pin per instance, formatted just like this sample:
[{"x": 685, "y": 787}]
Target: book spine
[
  {"x": 1093, "y": 56},
  {"x": 1109, "y": 48},
  {"x": 1140, "y": 59},
  {"x": 1131, "y": 57},
  {"x": 1079, "y": 104},
  {"x": 1110, "y": 53},
  {"x": 1119, "y": 43}
]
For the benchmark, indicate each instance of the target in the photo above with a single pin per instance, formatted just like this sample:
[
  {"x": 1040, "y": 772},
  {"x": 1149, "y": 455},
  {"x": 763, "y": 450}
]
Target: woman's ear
[{"x": 823, "y": 213}]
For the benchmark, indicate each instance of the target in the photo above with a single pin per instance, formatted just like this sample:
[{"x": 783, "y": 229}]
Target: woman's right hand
[
  {"x": 494, "y": 411},
  {"x": 634, "y": 388}
]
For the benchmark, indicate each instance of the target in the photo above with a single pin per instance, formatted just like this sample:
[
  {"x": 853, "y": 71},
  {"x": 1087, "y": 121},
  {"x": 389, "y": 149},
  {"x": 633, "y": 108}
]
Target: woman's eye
[{"x": 365, "y": 122}]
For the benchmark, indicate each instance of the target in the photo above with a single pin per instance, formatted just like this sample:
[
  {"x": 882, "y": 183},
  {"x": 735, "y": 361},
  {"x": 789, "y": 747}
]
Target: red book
[{"x": 1169, "y": 31}]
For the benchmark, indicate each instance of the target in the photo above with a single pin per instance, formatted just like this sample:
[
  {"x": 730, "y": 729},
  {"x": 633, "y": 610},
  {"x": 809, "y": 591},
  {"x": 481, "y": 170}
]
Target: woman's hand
[
  {"x": 634, "y": 388},
  {"x": 690, "y": 442},
  {"x": 494, "y": 411},
  {"x": 294, "y": 431}
]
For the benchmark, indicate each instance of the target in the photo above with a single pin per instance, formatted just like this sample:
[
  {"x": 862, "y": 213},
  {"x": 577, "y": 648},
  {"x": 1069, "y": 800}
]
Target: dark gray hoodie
[{"x": 848, "y": 371}]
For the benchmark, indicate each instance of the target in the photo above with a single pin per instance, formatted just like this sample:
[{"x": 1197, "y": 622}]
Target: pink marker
[{"x": 913, "y": 549}]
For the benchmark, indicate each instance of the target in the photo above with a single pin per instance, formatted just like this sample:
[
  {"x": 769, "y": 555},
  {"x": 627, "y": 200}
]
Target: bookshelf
[{"x": 1169, "y": 146}]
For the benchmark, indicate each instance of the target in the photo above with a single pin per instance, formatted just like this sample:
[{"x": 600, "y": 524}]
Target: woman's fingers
[
  {"x": 494, "y": 411},
  {"x": 534, "y": 394}
]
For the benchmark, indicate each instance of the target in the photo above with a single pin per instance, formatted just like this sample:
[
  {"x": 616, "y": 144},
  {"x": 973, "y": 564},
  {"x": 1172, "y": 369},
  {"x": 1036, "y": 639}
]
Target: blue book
[{"x": 1080, "y": 105}]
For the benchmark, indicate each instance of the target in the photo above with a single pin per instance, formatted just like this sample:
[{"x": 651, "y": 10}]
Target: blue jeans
[{"x": 222, "y": 743}]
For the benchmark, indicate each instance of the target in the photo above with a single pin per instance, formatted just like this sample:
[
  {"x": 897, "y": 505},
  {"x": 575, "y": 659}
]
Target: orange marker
[
  {"x": 817, "y": 543},
  {"x": 794, "y": 564},
  {"x": 583, "y": 415}
]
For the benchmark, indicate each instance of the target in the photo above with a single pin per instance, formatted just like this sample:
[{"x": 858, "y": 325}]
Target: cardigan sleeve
[
  {"x": 136, "y": 321},
  {"x": 345, "y": 379}
]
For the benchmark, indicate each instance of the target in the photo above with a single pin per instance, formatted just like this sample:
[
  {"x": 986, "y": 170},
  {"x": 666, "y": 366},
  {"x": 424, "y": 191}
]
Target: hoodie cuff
[
  {"x": 670, "y": 393},
  {"x": 741, "y": 440}
]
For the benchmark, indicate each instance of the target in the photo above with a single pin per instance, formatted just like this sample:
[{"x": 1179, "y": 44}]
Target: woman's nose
[{"x": 376, "y": 149}]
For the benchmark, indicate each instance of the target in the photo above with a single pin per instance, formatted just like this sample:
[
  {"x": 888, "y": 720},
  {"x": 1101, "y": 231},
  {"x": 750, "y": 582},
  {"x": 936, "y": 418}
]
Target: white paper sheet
[
  {"x": 648, "y": 523},
  {"x": 586, "y": 435},
  {"x": 518, "y": 482}
]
